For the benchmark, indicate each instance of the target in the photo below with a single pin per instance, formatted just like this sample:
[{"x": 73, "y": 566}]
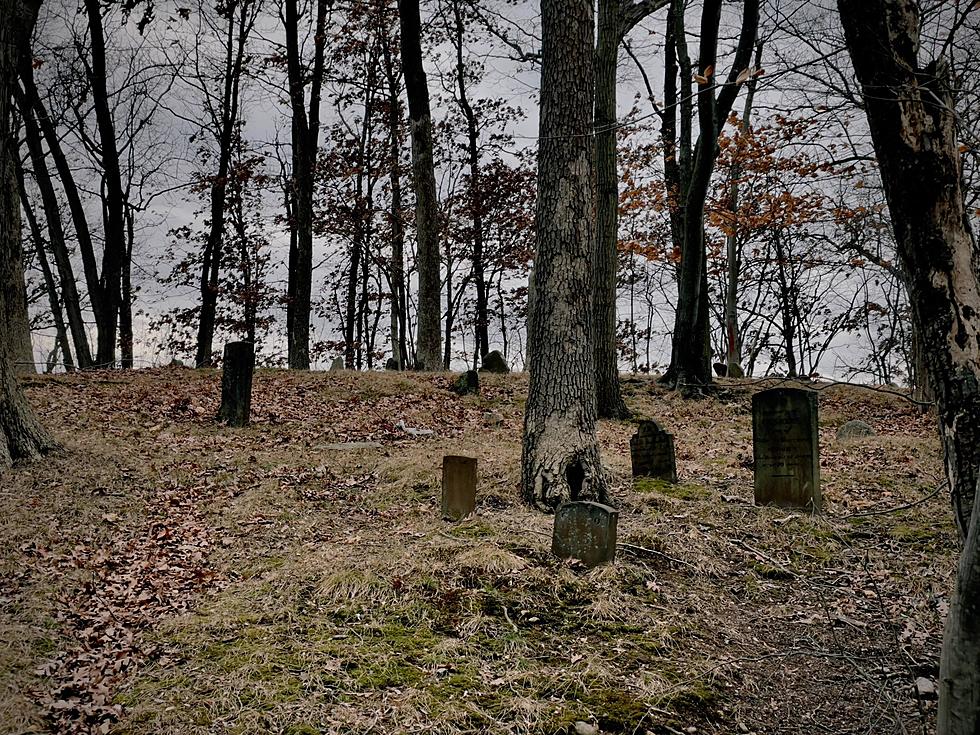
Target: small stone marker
[
  {"x": 391, "y": 364},
  {"x": 585, "y": 530},
  {"x": 337, "y": 364},
  {"x": 458, "y": 486},
  {"x": 468, "y": 382},
  {"x": 236, "y": 383},
  {"x": 494, "y": 362},
  {"x": 854, "y": 430},
  {"x": 652, "y": 452},
  {"x": 786, "y": 447}
]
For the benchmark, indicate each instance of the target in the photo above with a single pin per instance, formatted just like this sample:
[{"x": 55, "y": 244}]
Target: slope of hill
[{"x": 164, "y": 574}]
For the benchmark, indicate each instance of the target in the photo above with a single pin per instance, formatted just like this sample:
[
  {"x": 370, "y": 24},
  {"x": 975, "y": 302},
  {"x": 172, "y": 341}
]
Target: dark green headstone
[
  {"x": 786, "y": 447},
  {"x": 652, "y": 452},
  {"x": 236, "y": 383},
  {"x": 586, "y": 531}
]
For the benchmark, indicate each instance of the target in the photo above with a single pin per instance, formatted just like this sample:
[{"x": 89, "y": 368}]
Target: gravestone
[
  {"x": 585, "y": 530},
  {"x": 468, "y": 382},
  {"x": 337, "y": 364},
  {"x": 785, "y": 443},
  {"x": 236, "y": 383},
  {"x": 652, "y": 452},
  {"x": 494, "y": 362},
  {"x": 391, "y": 364},
  {"x": 458, "y": 486}
]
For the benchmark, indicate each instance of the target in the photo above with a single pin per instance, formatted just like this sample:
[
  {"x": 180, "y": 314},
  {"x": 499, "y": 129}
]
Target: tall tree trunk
[
  {"x": 690, "y": 361},
  {"x": 75, "y": 206},
  {"x": 733, "y": 340},
  {"x": 616, "y": 19},
  {"x": 396, "y": 278},
  {"x": 475, "y": 187},
  {"x": 610, "y": 402},
  {"x": 127, "y": 294},
  {"x": 54, "y": 303},
  {"x": 56, "y": 234},
  {"x": 19, "y": 347},
  {"x": 560, "y": 456},
  {"x": 21, "y": 434},
  {"x": 305, "y": 143},
  {"x": 429, "y": 340},
  {"x": 113, "y": 199},
  {"x": 913, "y": 129}
]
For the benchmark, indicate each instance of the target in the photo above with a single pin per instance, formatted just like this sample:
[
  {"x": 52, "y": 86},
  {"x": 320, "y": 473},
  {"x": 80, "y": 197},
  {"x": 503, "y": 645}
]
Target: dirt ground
[{"x": 164, "y": 574}]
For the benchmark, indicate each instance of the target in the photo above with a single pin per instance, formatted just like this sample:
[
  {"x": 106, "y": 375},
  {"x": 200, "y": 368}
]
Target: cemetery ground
[{"x": 164, "y": 574}]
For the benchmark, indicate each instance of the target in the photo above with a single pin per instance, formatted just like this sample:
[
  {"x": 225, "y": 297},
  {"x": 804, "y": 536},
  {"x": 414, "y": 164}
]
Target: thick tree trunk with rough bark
[
  {"x": 913, "y": 127},
  {"x": 21, "y": 435},
  {"x": 429, "y": 342},
  {"x": 560, "y": 459}
]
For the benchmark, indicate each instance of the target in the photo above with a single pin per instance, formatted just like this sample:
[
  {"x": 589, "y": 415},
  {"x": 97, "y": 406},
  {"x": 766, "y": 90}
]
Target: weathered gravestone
[
  {"x": 337, "y": 364},
  {"x": 236, "y": 383},
  {"x": 458, "y": 486},
  {"x": 585, "y": 530},
  {"x": 494, "y": 362},
  {"x": 786, "y": 447},
  {"x": 652, "y": 452},
  {"x": 468, "y": 382},
  {"x": 391, "y": 364}
]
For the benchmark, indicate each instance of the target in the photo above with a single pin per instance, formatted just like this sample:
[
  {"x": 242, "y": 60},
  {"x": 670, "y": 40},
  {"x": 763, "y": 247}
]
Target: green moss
[
  {"x": 472, "y": 528},
  {"x": 680, "y": 491}
]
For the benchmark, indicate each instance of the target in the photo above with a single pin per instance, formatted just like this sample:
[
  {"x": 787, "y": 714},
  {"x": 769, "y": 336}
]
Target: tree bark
[
  {"x": 14, "y": 313},
  {"x": 21, "y": 434},
  {"x": 236, "y": 383},
  {"x": 429, "y": 342},
  {"x": 913, "y": 128},
  {"x": 560, "y": 458}
]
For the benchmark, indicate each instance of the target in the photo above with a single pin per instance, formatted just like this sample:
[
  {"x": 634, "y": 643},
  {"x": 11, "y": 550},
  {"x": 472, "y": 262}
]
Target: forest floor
[{"x": 164, "y": 574}]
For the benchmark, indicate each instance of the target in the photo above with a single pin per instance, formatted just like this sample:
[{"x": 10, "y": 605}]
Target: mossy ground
[{"x": 344, "y": 604}]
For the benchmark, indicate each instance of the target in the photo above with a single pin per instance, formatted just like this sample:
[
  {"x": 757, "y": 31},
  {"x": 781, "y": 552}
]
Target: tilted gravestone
[
  {"x": 585, "y": 530},
  {"x": 786, "y": 447},
  {"x": 652, "y": 452},
  {"x": 236, "y": 383},
  {"x": 458, "y": 486}
]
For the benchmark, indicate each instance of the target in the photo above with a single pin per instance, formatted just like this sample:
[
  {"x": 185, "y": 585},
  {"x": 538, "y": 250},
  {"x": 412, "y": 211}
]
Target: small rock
[
  {"x": 392, "y": 364},
  {"x": 494, "y": 362},
  {"x": 854, "y": 430},
  {"x": 925, "y": 688},
  {"x": 584, "y": 728},
  {"x": 468, "y": 382}
]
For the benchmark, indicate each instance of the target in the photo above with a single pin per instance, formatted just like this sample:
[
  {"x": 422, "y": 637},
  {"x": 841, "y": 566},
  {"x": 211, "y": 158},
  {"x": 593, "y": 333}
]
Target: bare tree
[
  {"x": 909, "y": 105},
  {"x": 560, "y": 458}
]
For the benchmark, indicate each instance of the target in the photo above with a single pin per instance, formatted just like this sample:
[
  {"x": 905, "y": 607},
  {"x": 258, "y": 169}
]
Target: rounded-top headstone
[
  {"x": 652, "y": 452},
  {"x": 855, "y": 429}
]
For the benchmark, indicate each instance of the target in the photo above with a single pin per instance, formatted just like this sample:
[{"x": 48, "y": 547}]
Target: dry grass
[{"x": 343, "y": 604}]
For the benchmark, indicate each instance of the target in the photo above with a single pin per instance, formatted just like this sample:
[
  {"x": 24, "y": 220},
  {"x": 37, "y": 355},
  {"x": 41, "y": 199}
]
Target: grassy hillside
[{"x": 164, "y": 574}]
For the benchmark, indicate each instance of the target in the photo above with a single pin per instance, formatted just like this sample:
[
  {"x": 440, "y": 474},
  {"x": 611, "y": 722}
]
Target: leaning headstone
[
  {"x": 494, "y": 362},
  {"x": 854, "y": 430},
  {"x": 652, "y": 452},
  {"x": 236, "y": 383},
  {"x": 337, "y": 364},
  {"x": 786, "y": 447},
  {"x": 586, "y": 531},
  {"x": 468, "y": 382},
  {"x": 458, "y": 486}
]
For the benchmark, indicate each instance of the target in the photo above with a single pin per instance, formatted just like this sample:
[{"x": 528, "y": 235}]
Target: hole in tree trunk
[{"x": 575, "y": 475}]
